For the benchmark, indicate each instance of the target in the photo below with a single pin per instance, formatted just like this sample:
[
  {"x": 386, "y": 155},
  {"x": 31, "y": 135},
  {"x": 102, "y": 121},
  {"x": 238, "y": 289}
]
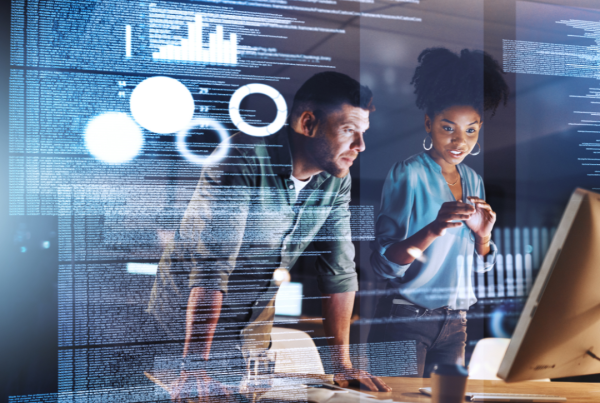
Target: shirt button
[
  {"x": 256, "y": 303},
  {"x": 291, "y": 186}
]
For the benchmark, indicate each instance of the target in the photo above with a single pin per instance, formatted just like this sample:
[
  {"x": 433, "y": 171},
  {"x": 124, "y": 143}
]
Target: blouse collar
[
  {"x": 430, "y": 162},
  {"x": 434, "y": 166}
]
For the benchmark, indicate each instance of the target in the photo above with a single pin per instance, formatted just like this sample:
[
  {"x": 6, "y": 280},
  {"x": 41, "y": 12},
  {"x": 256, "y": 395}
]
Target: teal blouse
[{"x": 413, "y": 194}]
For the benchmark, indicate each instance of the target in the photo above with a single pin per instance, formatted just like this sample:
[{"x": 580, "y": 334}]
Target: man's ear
[{"x": 307, "y": 124}]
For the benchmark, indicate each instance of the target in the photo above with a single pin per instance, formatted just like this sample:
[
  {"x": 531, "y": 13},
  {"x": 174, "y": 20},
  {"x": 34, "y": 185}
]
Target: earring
[
  {"x": 478, "y": 151},
  {"x": 425, "y": 142}
]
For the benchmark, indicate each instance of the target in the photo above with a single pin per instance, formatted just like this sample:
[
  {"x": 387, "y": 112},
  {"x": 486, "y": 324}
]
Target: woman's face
[{"x": 454, "y": 133}]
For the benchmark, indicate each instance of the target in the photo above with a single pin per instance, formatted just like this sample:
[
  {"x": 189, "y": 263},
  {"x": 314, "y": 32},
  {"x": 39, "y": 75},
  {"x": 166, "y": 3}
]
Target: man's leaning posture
[{"x": 256, "y": 211}]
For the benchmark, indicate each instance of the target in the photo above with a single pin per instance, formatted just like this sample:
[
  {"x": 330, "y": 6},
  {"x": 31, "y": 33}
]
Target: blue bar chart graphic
[{"x": 217, "y": 51}]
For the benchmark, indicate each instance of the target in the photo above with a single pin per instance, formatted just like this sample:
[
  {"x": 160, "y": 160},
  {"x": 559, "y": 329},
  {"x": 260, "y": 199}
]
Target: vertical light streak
[{"x": 127, "y": 40}]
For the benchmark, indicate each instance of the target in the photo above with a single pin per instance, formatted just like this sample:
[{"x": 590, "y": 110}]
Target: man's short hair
[{"x": 328, "y": 91}]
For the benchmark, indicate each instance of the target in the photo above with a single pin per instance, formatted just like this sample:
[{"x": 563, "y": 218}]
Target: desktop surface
[{"x": 407, "y": 389}]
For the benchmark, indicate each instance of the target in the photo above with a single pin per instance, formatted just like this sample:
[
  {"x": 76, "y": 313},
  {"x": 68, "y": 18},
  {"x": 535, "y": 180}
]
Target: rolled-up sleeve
[
  {"x": 393, "y": 222},
  {"x": 336, "y": 270},
  {"x": 214, "y": 230},
  {"x": 204, "y": 249},
  {"x": 211, "y": 233}
]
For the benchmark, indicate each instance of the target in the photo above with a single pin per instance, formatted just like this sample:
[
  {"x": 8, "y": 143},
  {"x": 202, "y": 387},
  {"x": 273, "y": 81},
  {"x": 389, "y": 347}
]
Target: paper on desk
[{"x": 320, "y": 395}]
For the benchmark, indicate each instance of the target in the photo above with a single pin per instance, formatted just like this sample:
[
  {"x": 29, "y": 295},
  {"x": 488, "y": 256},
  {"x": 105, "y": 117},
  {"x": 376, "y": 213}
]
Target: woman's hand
[
  {"x": 451, "y": 215},
  {"x": 482, "y": 222}
]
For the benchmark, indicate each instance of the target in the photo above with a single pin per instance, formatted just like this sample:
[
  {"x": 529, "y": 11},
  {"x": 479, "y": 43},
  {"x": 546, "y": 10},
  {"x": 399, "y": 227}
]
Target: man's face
[{"x": 339, "y": 139}]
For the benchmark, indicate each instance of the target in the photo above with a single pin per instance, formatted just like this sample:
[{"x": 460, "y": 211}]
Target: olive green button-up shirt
[{"x": 243, "y": 222}]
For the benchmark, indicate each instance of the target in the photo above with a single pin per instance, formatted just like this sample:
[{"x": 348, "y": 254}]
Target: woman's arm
[
  {"x": 482, "y": 223},
  {"x": 451, "y": 215},
  {"x": 405, "y": 252}
]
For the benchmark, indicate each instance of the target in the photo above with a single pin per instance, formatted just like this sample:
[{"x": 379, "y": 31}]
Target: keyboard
[{"x": 505, "y": 397}]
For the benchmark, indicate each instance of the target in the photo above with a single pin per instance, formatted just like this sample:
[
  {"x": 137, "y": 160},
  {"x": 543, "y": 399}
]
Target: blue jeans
[{"x": 440, "y": 334}]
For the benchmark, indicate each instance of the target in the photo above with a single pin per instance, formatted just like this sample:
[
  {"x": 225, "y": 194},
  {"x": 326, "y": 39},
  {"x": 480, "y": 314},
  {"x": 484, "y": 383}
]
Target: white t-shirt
[{"x": 298, "y": 184}]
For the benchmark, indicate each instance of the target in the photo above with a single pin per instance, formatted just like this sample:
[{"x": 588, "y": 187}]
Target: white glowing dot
[
  {"x": 114, "y": 138},
  {"x": 46, "y": 244},
  {"x": 162, "y": 105},
  {"x": 281, "y": 275},
  {"x": 415, "y": 252}
]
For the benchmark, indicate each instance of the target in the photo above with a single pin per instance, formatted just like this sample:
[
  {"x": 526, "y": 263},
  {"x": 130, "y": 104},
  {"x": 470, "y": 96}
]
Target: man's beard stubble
[{"x": 324, "y": 156}]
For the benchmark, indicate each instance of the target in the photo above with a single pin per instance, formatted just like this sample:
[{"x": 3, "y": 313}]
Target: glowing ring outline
[
  {"x": 243, "y": 92},
  {"x": 217, "y": 155}
]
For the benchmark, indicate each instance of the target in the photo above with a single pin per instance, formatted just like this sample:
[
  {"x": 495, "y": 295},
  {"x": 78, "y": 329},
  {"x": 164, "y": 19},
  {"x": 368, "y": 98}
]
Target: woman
[{"x": 434, "y": 224}]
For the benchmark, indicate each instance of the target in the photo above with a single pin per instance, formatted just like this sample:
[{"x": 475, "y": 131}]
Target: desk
[{"x": 407, "y": 389}]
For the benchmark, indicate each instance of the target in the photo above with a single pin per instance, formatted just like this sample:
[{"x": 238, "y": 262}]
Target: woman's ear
[{"x": 428, "y": 124}]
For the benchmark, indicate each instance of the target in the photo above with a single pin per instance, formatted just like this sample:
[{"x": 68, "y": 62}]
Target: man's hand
[
  {"x": 357, "y": 377},
  {"x": 208, "y": 389},
  {"x": 337, "y": 309}
]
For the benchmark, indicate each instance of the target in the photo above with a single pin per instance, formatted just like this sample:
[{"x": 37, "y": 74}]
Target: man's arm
[
  {"x": 337, "y": 311},
  {"x": 202, "y": 315}
]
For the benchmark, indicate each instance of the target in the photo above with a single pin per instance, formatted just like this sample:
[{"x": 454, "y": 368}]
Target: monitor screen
[{"x": 557, "y": 333}]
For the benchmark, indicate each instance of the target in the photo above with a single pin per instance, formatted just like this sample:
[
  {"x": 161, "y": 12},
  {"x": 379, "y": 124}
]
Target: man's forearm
[
  {"x": 337, "y": 312},
  {"x": 202, "y": 315}
]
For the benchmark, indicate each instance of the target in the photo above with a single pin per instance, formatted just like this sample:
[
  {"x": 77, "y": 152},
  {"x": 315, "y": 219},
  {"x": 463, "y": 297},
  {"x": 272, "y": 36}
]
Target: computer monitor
[{"x": 558, "y": 333}]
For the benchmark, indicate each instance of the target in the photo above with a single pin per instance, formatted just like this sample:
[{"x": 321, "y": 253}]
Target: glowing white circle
[
  {"x": 281, "y": 275},
  {"x": 162, "y": 105},
  {"x": 236, "y": 118},
  {"x": 113, "y": 137},
  {"x": 221, "y": 149}
]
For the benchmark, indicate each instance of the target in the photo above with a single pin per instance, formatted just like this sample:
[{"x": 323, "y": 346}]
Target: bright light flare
[
  {"x": 162, "y": 105},
  {"x": 417, "y": 254},
  {"x": 113, "y": 138},
  {"x": 281, "y": 275}
]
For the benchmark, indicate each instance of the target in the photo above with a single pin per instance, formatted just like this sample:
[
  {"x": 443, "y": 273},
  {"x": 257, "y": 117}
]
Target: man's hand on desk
[
  {"x": 357, "y": 377},
  {"x": 208, "y": 389}
]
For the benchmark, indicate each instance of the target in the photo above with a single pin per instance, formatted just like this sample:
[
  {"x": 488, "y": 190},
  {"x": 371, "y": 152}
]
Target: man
[{"x": 255, "y": 213}]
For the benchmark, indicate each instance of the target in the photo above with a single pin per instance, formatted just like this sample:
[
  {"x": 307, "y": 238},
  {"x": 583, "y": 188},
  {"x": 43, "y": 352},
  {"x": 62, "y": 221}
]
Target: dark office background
[{"x": 28, "y": 280}]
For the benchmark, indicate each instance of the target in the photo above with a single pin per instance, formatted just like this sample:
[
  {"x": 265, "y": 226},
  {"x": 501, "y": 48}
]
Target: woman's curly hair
[{"x": 444, "y": 79}]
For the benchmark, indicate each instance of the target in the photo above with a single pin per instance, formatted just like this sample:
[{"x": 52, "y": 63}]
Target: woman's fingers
[
  {"x": 489, "y": 212},
  {"x": 455, "y": 216},
  {"x": 480, "y": 203},
  {"x": 476, "y": 200},
  {"x": 458, "y": 205},
  {"x": 451, "y": 224},
  {"x": 459, "y": 208}
]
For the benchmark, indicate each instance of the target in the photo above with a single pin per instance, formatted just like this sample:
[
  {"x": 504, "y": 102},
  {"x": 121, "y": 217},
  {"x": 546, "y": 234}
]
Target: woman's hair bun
[{"x": 444, "y": 79}]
